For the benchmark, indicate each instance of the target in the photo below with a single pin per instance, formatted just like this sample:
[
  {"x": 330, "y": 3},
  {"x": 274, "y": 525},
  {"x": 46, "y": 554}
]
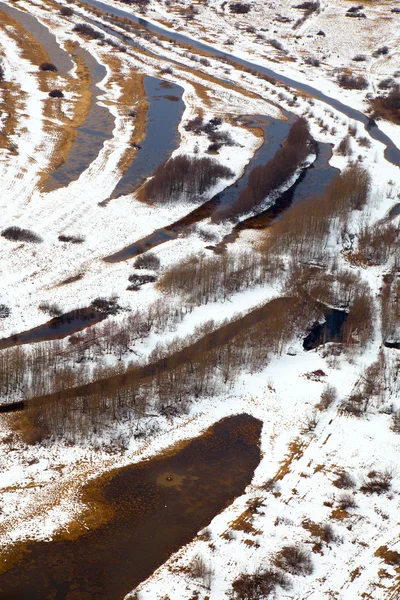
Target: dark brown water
[
  {"x": 55, "y": 329},
  {"x": 153, "y": 509}
]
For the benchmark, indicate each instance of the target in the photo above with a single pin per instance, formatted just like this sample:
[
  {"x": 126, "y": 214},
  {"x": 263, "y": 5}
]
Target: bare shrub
[
  {"x": 344, "y": 481},
  {"x": 328, "y": 534},
  {"x": 388, "y": 106},
  {"x": 239, "y": 8},
  {"x": 328, "y": 397},
  {"x": 276, "y": 44},
  {"x": 184, "y": 176},
  {"x": 364, "y": 142},
  {"x": 66, "y": 11},
  {"x": 360, "y": 58},
  {"x": 108, "y": 306},
  {"x": 72, "y": 239},
  {"x": 29, "y": 428},
  {"x": 147, "y": 261},
  {"x": 56, "y": 94},
  {"x": 137, "y": 280},
  {"x": 344, "y": 147},
  {"x": 52, "y": 309},
  {"x": 1, "y": 73},
  {"x": 386, "y": 83},
  {"x": 352, "y": 82},
  {"x": 378, "y": 482},
  {"x": 5, "y": 311},
  {"x": 396, "y": 421},
  {"x": 312, "y": 61},
  {"x": 294, "y": 560},
  {"x": 47, "y": 66},
  {"x": 260, "y": 584},
  {"x": 382, "y": 51},
  {"x": 17, "y": 234},
  {"x": 346, "y": 501},
  {"x": 85, "y": 29}
]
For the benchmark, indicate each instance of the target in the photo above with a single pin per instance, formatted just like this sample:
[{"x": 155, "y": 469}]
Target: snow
[{"x": 40, "y": 484}]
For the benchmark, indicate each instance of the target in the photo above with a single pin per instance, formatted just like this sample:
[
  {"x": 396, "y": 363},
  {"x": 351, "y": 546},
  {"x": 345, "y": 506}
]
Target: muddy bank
[
  {"x": 55, "y": 329},
  {"x": 162, "y": 137},
  {"x": 90, "y": 136},
  {"x": 140, "y": 515}
]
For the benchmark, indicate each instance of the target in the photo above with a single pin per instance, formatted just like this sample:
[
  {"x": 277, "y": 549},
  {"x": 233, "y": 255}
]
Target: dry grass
[
  {"x": 133, "y": 94},
  {"x": 67, "y": 131}
]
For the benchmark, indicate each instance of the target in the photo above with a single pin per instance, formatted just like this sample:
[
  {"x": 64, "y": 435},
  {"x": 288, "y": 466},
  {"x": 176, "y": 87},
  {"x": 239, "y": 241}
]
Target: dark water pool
[{"x": 146, "y": 512}]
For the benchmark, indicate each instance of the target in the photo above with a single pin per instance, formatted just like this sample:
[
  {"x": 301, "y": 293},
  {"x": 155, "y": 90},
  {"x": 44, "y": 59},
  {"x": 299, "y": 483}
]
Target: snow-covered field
[{"x": 40, "y": 484}]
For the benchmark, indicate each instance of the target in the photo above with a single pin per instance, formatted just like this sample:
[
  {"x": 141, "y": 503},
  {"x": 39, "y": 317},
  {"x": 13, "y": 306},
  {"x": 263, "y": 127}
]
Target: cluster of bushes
[
  {"x": 388, "y": 106},
  {"x": 88, "y": 30},
  {"x": 217, "y": 277},
  {"x": 47, "y": 66},
  {"x": 265, "y": 179},
  {"x": 184, "y": 177},
  {"x": 18, "y": 234},
  {"x": 352, "y": 82},
  {"x": 239, "y": 8}
]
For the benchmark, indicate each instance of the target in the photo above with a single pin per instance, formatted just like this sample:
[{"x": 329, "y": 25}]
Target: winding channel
[
  {"x": 42, "y": 34},
  {"x": 163, "y": 117},
  {"x": 392, "y": 153}
]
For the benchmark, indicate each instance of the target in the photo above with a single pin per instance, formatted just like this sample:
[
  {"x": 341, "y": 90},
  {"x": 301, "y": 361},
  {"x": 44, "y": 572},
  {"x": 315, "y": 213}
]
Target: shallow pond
[{"x": 148, "y": 511}]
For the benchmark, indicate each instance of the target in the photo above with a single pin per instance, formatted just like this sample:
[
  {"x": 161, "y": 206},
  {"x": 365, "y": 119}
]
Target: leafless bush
[
  {"x": 147, "y": 261},
  {"x": 344, "y": 481},
  {"x": 344, "y": 147},
  {"x": 52, "y": 309},
  {"x": 47, "y": 66},
  {"x": 85, "y": 29},
  {"x": 346, "y": 501},
  {"x": 352, "y": 82},
  {"x": 72, "y": 239},
  {"x": 5, "y": 311},
  {"x": 313, "y": 61},
  {"x": 360, "y": 58},
  {"x": 239, "y": 8},
  {"x": 377, "y": 244},
  {"x": 382, "y": 51},
  {"x": 276, "y": 44},
  {"x": 66, "y": 11},
  {"x": 328, "y": 534},
  {"x": 396, "y": 421},
  {"x": 260, "y": 584},
  {"x": 294, "y": 560},
  {"x": 388, "y": 106},
  {"x": 137, "y": 280},
  {"x": 386, "y": 83},
  {"x": 56, "y": 94},
  {"x": 17, "y": 234},
  {"x": 184, "y": 177},
  {"x": 328, "y": 397},
  {"x": 1, "y": 73},
  {"x": 108, "y": 306},
  {"x": 364, "y": 142},
  {"x": 377, "y": 483}
]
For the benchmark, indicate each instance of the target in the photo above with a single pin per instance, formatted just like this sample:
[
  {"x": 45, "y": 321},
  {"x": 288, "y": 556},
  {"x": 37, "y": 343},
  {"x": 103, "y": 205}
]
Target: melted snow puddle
[
  {"x": 142, "y": 514},
  {"x": 163, "y": 117},
  {"x": 57, "y": 55},
  {"x": 91, "y": 135}
]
